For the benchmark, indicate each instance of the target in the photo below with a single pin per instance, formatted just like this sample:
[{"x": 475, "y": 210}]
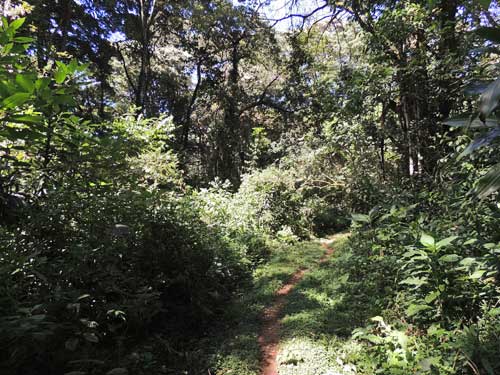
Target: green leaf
[
  {"x": 436, "y": 330},
  {"x": 26, "y": 119},
  {"x": 16, "y": 100},
  {"x": 494, "y": 312},
  {"x": 16, "y": 24},
  {"x": 467, "y": 262},
  {"x": 489, "y": 183},
  {"x": 360, "y": 218},
  {"x": 23, "y": 39},
  {"x": 427, "y": 240},
  {"x": 60, "y": 74},
  {"x": 414, "y": 309},
  {"x": 26, "y": 81},
  {"x": 485, "y": 3},
  {"x": 65, "y": 100},
  {"x": 468, "y": 122},
  {"x": 470, "y": 241},
  {"x": 42, "y": 83},
  {"x": 72, "y": 66},
  {"x": 489, "y": 99},
  {"x": 373, "y": 339},
  {"x": 7, "y": 48},
  {"x": 414, "y": 281},
  {"x": 477, "y": 274},
  {"x": 480, "y": 141},
  {"x": 476, "y": 88},
  {"x": 432, "y": 296},
  {"x": 449, "y": 258},
  {"x": 446, "y": 242}
]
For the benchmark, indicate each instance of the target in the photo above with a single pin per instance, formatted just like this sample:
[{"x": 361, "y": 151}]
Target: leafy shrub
[
  {"x": 280, "y": 204},
  {"x": 435, "y": 257}
]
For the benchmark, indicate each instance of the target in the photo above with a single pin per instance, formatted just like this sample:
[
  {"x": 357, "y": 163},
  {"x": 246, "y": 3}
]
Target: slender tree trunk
[{"x": 230, "y": 137}]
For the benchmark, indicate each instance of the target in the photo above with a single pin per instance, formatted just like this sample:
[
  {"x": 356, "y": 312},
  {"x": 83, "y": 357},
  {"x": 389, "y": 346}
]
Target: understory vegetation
[{"x": 165, "y": 167}]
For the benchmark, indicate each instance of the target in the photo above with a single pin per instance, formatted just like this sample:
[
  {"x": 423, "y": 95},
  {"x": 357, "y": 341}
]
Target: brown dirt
[{"x": 270, "y": 332}]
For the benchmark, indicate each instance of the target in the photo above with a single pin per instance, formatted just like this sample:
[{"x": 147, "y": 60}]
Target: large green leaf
[
  {"x": 480, "y": 141},
  {"x": 450, "y": 258},
  {"x": 360, "y": 218},
  {"x": 489, "y": 183},
  {"x": 416, "y": 281},
  {"x": 16, "y": 24},
  {"x": 432, "y": 296},
  {"x": 476, "y": 88},
  {"x": 26, "y": 119},
  {"x": 60, "y": 74},
  {"x": 26, "y": 81},
  {"x": 427, "y": 240},
  {"x": 468, "y": 122},
  {"x": 23, "y": 39},
  {"x": 16, "y": 100},
  {"x": 446, "y": 241},
  {"x": 489, "y": 99}
]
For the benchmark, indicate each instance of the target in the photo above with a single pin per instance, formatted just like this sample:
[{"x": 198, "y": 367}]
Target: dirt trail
[{"x": 270, "y": 333}]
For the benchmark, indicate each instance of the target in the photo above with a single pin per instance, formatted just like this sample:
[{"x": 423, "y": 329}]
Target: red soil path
[{"x": 270, "y": 333}]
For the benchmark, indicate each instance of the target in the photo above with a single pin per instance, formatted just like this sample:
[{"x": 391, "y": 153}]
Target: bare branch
[
  {"x": 304, "y": 17},
  {"x": 261, "y": 98}
]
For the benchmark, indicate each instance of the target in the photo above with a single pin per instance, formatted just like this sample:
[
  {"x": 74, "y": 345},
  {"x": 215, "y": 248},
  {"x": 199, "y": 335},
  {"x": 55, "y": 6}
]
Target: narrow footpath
[{"x": 269, "y": 337}]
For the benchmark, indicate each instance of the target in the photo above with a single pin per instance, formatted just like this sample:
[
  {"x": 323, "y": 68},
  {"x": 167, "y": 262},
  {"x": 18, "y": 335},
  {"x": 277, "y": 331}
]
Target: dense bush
[
  {"x": 435, "y": 257},
  {"x": 104, "y": 258}
]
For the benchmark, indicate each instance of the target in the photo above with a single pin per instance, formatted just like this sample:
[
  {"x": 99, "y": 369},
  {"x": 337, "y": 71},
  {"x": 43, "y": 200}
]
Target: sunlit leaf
[
  {"x": 26, "y": 119},
  {"x": 477, "y": 274},
  {"x": 446, "y": 241},
  {"x": 26, "y": 81},
  {"x": 450, "y": 258},
  {"x": 16, "y": 24},
  {"x": 414, "y": 281},
  {"x": 432, "y": 296},
  {"x": 16, "y": 100},
  {"x": 427, "y": 240},
  {"x": 361, "y": 218},
  {"x": 489, "y": 183},
  {"x": 60, "y": 74}
]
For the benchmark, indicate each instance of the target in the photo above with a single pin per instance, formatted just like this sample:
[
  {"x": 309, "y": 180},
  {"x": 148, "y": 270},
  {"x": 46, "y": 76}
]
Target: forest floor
[{"x": 298, "y": 317}]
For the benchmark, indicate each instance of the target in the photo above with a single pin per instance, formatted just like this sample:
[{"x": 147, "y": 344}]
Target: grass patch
[
  {"x": 239, "y": 352},
  {"x": 318, "y": 319},
  {"x": 320, "y": 315}
]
